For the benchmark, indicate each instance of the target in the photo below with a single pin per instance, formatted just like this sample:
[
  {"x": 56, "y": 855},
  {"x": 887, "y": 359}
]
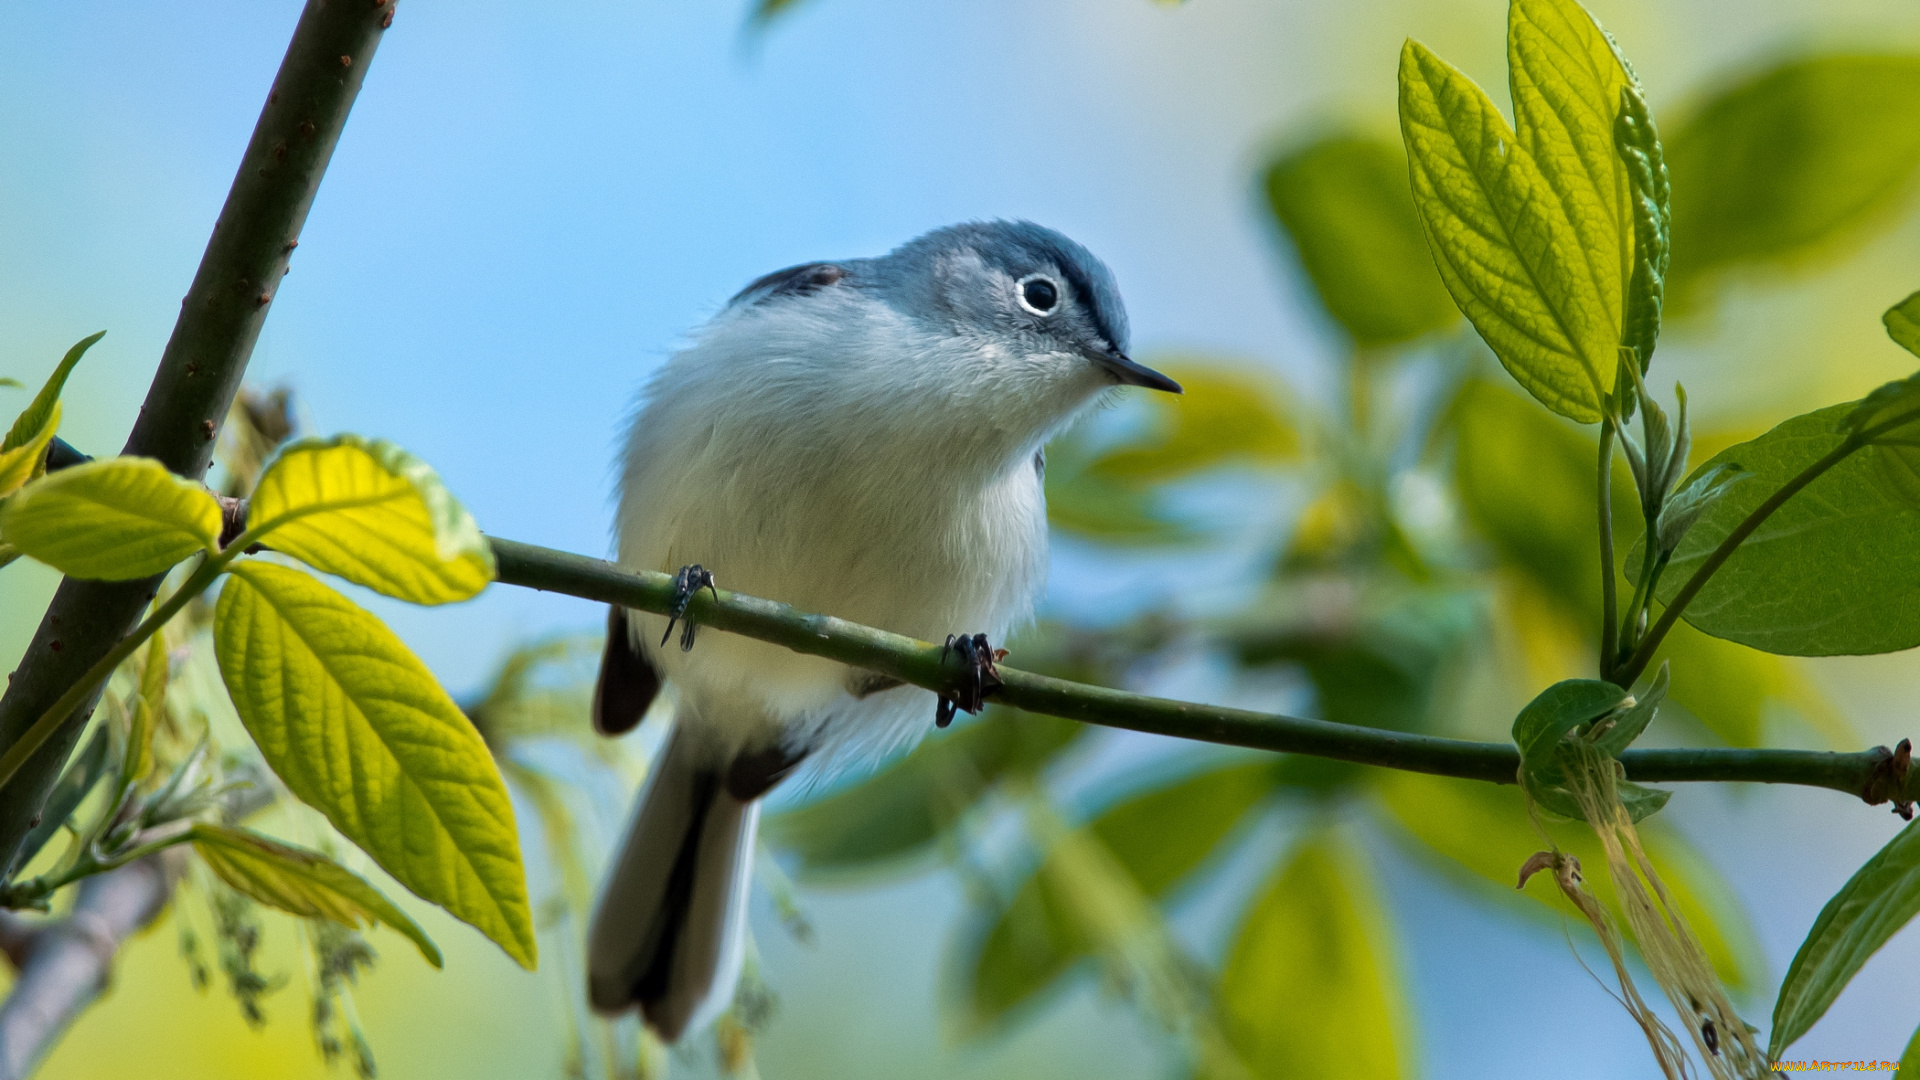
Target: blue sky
[{"x": 531, "y": 204}]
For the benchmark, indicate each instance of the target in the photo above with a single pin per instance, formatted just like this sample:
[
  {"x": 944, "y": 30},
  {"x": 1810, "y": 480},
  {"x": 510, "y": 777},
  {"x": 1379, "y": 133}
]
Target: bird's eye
[{"x": 1038, "y": 293}]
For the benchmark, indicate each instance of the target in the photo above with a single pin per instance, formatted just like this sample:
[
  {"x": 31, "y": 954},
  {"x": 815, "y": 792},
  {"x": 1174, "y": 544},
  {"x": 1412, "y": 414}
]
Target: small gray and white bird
[{"x": 861, "y": 439}]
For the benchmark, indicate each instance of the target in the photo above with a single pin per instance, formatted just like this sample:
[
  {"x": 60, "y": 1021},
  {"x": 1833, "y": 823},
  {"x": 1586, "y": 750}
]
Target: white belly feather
[{"x": 761, "y": 467}]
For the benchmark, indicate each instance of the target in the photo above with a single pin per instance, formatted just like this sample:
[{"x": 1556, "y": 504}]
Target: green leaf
[
  {"x": 1631, "y": 721},
  {"x": 37, "y": 422},
  {"x": 359, "y": 729},
  {"x": 1910, "y": 1061},
  {"x": 1225, "y": 417},
  {"x": 1880, "y": 898},
  {"x": 11, "y": 382},
  {"x": 1903, "y": 323},
  {"x": 147, "y": 706},
  {"x": 1638, "y": 145},
  {"x": 1344, "y": 201},
  {"x": 119, "y": 519},
  {"x": 1309, "y": 987},
  {"x": 21, "y": 464},
  {"x": 1526, "y": 482},
  {"x": 1724, "y": 685},
  {"x": 1832, "y": 571},
  {"x": 1111, "y": 513},
  {"x": 1570, "y": 709},
  {"x": 1792, "y": 161},
  {"x": 82, "y": 773},
  {"x": 1379, "y": 669},
  {"x": 1896, "y": 445},
  {"x": 1480, "y": 833},
  {"x": 1566, "y": 80},
  {"x": 1503, "y": 242},
  {"x": 374, "y": 514},
  {"x": 302, "y": 882},
  {"x": 1157, "y": 838},
  {"x": 901, "y": 812}
]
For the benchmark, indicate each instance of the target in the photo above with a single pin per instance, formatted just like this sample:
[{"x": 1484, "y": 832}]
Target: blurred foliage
[
  {"x": 1375, "y": 608},
  {"x": 1309, "y": 986},
  {"x": 1342, "y": 200},
  {"x": 1791, "y": 162}
]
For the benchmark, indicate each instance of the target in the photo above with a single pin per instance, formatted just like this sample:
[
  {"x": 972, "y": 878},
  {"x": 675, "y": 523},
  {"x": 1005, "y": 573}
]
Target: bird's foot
[
  {"x": 688, "y": 582},
  {"x": 980, "y": 677}
]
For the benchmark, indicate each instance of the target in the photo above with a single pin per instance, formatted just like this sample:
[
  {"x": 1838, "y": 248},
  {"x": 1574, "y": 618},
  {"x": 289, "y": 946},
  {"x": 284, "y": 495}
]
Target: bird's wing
[{"x": 793, "y": 281}]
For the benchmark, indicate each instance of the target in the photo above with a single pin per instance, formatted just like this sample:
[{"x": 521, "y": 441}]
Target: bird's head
[{"x": 1035, "y": 308}]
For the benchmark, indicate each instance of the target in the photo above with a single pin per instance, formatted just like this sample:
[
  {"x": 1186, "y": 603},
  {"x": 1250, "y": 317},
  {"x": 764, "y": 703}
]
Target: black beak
[{"x": 1129, "y": 373}]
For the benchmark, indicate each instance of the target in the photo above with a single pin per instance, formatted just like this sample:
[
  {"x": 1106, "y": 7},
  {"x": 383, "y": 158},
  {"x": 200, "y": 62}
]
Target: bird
[{"x": 864, "y": 439}]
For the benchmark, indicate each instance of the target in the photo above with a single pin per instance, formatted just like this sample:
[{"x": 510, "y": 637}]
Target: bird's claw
[
  {"x": 688, "y": 582},
  {"x": 980, "y": 679}
]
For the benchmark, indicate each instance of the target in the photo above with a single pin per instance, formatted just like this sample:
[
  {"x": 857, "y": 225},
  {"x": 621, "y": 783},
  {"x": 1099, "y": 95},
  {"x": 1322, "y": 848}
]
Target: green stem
[
  {"x": 923, "y": 664},
  {"x": 1609, "y": 601},
  {"x": 97, "y": 675},
  {"x": 1643, "y": 653},
  {"x": 34, "y": 892}
]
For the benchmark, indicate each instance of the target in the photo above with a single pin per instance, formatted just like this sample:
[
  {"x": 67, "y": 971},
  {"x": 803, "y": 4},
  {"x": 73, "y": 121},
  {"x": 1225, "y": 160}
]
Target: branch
[
  {"x": 1874, "y": 775},
  {"x": 203, "y": 363},
  {"x": 64, "y": 963}
]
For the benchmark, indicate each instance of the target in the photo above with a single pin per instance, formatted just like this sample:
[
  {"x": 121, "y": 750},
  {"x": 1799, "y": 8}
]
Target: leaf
[
  {"x": 1503, "y": 242},
  {"x": 1108, "y": 512},
  {"x": 23, "y": 463},
  {"x": 1566, "y": 81},
  {"x": 1309, "y": 987},
  {"x": 23, "y": 452},
  {"x": 374, "y": 514},
  {"x": 1558, "y": 709},
  {"x": 1631, "y": 721},
  {"x": 902, "y": 811},
  {"x": 1832, "y": 571},
  {"x": 1526, "y": 482},
  {"x": 1879, "y": 899},
  {"x": 119, "y": 520},
  {"x": 1910, "y": 1061},
  {"x": 39, "y": 414},
  {"x": 1157, "y": 838},
  {"x": 82, "y": 773},
  {"x": 11, "y": 382},
  {"x": 1792, "y": 160},
  {"x": 1480, "y": 833},
  {"x": 1724, "y": 685},
  {"x": 359, "y": 729},
  {"x": 1903, "y": 323},
  {"x": 1224, "y": 417},
  {"x": 1227, "y": 417},
  {"x": 1571, "y": 709},
  {"x": 1377, "y": 667},
  {"x": 1638, "y": 145},
  {"x": 1344, "y": 201},
  {"x": 147, "y": 706},
  {"x": 301, "y": 882}
]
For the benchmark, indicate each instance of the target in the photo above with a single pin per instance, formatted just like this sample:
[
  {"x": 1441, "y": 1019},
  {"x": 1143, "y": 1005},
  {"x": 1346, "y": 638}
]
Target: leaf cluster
[{"x": 346, "y": 717}]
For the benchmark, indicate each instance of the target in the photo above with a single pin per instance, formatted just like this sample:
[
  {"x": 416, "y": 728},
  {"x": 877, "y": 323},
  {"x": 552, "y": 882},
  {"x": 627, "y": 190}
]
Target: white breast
[{"x": 820, "y": 454}]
